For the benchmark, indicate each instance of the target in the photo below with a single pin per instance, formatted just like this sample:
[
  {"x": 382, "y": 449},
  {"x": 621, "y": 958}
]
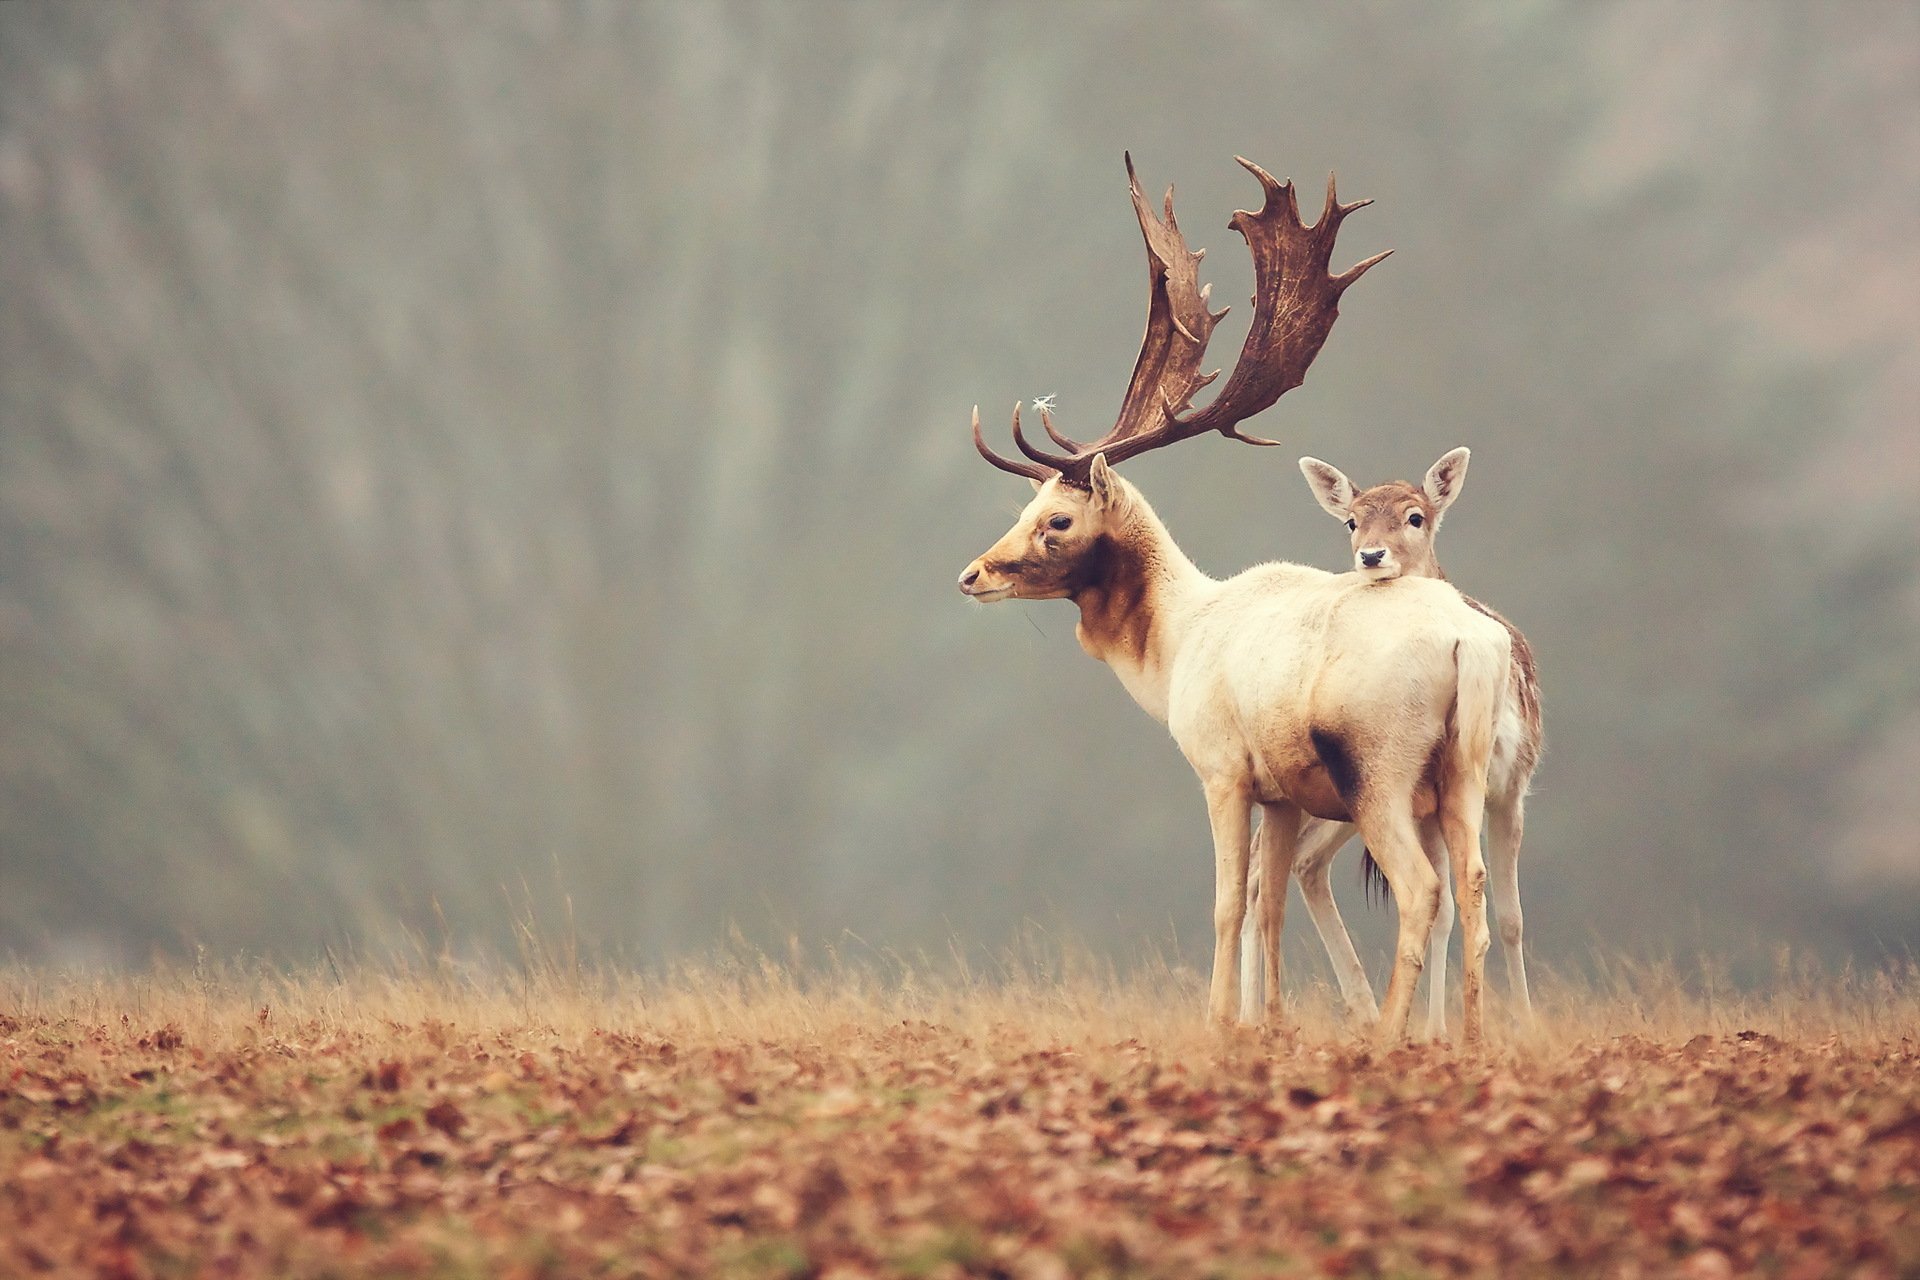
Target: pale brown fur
[{"x": 1252, "y": 676}]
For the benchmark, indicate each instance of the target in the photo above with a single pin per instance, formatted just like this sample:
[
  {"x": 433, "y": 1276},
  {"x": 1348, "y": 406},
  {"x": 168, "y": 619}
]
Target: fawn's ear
[
  {"x": 1333, "y": 489},
  {"x": 1444, "y": 479}
]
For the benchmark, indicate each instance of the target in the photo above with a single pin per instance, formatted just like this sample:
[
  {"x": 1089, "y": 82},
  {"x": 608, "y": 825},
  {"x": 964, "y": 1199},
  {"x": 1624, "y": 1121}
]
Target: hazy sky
[{"x": 460, "y": 465}]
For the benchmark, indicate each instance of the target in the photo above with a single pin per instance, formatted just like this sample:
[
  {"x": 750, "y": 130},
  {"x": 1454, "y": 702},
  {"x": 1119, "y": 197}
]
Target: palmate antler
[{"x": 1295, "y": 302}]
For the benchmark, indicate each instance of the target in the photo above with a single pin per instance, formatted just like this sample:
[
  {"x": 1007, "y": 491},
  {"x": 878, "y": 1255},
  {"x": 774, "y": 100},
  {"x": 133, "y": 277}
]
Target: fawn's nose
[
  {"x": 970, "y": 577},
  {"x": 1372, "y": 559}
]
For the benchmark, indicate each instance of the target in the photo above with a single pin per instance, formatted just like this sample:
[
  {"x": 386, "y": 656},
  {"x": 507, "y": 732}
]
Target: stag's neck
[{"x": 1135, "y": 608}]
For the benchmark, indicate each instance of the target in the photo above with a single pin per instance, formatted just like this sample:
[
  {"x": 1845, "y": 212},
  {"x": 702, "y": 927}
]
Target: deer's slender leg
[
  {"x": 1394, "y": 838},
  {"x": 1506, "y": 823},
  {"x": 1436, "y": 850},
  {"x": 1279, "y": 836},
  {"x": 1319, "y": 841},
  {"x": 1461, "y": 806},
  {"x": 1253, "y": 996},
  {"x": 1230, "y": 812}
]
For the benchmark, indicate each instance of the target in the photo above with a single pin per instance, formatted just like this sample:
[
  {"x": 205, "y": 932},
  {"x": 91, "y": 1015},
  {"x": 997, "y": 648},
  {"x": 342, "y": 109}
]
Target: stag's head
[
  {"x": 1392, "y": 525},
  {"x": 1056, "y": 546}
]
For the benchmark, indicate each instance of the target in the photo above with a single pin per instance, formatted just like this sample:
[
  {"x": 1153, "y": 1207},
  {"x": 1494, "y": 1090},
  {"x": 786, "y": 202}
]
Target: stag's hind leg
[
  {"x": 1461, "y": 805},
  {"x": 1394, "y": 838},
  {"x": 1435, "y": 847}
]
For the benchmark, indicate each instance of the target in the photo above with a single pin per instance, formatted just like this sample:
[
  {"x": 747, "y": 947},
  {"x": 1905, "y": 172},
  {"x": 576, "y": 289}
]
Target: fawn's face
[{"x": 1391, "y": 526}]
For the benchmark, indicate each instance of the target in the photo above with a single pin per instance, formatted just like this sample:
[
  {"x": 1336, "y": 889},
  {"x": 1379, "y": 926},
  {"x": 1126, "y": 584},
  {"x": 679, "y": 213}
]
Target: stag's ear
[
  {"x": 1104, "y": 484},
  {"x": 1038, "y": 485},
  {"x": 1444, "y": 479},
  {"x": 1332, "y": 488}
]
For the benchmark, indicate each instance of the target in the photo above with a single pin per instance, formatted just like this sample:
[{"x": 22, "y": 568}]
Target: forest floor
[{"x": 744, "y": 1122}]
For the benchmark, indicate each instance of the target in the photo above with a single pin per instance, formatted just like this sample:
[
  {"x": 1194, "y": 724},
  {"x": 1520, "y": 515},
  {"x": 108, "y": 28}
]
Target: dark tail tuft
[{"x": 1374, "y": 880}]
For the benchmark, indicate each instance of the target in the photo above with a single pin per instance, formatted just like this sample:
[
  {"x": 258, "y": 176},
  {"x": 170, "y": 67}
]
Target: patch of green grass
[
  {"x": 957, "y": 1246},
  {"x": 768, "y": 1258}
]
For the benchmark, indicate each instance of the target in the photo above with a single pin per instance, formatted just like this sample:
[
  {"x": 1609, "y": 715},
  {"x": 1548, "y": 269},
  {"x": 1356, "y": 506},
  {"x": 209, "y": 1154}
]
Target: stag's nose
[
  {"x": 1372, "y": 559},
  {"x": 971, "y": 576}
]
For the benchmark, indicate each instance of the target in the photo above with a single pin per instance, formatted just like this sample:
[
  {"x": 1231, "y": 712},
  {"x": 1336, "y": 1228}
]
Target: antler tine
[
  {"x": 1331, "y": 218},
  {"x": 1065, "y": 441},
  {"x": 1018, "y": 468},
  {"x": 1359, "y": 269},
  {"x": 1234, "y": 433},
  {"x": 1051, "y": 461},
  {"x": 1276, "y": 191},
  {"x": 1334, "y": 207}
]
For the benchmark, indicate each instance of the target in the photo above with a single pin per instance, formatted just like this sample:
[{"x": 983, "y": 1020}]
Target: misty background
[{"x": 462, "y": 464}]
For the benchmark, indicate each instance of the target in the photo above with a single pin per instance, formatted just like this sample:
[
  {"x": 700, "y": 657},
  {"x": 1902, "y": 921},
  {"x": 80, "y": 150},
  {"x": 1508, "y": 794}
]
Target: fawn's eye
[
  {"x": 1416, "y": 519},
  {"x": 1353, "y": 524},
  {"x": 1060, "y": 522}
]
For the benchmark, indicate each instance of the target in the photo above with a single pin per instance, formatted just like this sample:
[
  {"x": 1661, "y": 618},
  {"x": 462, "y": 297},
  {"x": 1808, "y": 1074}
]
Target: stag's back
[{"x": 1283, "y": 650}]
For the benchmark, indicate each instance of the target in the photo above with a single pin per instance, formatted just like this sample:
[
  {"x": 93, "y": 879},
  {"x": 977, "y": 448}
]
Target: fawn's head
[{"x": 1392, "y": 524}]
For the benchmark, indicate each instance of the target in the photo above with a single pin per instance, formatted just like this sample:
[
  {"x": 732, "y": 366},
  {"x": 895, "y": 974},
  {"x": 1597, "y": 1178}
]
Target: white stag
[
  {"x": 1393, "y": 529},
  {"x": 1304, "y": 692}
]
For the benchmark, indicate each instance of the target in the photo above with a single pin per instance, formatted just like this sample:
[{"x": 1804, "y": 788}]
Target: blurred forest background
[{"x": 464, "y": 462}]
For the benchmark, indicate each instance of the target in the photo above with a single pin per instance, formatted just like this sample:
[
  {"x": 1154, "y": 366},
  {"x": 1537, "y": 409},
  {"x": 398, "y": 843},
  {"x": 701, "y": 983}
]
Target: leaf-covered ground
[{"x": 149, "y": 1129}]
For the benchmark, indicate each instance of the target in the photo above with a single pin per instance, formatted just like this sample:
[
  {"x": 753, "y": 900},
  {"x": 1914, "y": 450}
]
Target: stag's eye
[
  {"x": 1416, "y": 519},
  {"x": 1353, "y": 524},
  {"x": 1060, "y": 522}
]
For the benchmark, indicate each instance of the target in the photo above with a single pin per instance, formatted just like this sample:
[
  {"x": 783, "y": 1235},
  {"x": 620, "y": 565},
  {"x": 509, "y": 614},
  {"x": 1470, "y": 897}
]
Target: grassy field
[{"x": 743, "y": 1122}]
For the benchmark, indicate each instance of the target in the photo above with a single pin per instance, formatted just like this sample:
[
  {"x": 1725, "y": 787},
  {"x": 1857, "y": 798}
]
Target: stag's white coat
[{"x": 1263, "y": 677}]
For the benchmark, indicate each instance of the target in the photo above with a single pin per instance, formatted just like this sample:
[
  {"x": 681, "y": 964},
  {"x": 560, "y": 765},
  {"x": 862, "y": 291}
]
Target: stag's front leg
[
  {"x": 1390, "y": 831},
  {"x": 1315, "y": 842},
  {"x": 1230, "y": 812},
  {"x": 1436, "y": 847}
]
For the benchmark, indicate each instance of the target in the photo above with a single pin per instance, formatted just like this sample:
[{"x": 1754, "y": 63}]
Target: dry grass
[{"x": 1043, "y": 997}]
